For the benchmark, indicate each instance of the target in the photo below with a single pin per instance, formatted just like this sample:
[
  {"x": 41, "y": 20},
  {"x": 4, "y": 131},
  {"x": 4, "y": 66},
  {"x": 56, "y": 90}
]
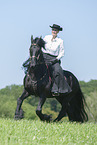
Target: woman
[{"x": 53, "y": 52}]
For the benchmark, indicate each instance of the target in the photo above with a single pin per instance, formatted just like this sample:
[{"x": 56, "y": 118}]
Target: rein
[
  {"x": 43, "y": 78},
  {"x": 35, "y": 83}
]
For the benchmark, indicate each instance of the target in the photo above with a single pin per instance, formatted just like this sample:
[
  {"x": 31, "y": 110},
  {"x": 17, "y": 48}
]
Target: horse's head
[{"x": 35, "y": 50}]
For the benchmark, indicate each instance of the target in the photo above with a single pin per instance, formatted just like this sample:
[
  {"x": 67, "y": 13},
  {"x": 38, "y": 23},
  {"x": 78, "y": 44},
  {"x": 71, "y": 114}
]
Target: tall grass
[{"x": 29, "y": 132}]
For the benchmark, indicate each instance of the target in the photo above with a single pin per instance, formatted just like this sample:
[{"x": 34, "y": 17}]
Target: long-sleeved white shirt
[{"x": 54, "y": 47}]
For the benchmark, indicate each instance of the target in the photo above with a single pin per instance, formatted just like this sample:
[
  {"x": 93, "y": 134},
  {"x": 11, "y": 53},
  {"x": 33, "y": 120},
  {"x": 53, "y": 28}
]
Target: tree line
[{"x": 10, "y": 94}]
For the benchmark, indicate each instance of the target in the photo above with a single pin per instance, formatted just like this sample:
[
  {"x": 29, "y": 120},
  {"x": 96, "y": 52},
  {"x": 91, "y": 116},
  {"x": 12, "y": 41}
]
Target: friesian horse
[{"x": 38, "y": 82}]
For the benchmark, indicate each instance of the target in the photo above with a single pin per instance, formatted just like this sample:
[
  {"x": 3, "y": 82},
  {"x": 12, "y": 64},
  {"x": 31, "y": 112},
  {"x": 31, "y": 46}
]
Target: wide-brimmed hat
[{"x": 57, "y": 27}]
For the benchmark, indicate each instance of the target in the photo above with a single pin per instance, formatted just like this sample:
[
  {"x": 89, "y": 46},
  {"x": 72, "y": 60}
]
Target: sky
[{"x": 19, "y": 19}]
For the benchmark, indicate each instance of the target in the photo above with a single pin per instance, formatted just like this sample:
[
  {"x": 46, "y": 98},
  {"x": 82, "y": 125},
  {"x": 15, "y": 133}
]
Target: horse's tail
[{"x": 82, "y": 105}]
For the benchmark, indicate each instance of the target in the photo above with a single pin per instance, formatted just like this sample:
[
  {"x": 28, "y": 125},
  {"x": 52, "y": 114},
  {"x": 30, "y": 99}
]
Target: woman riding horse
[
  {"x": 54, "y": 51},
  {"x": 37, "y": 82}
]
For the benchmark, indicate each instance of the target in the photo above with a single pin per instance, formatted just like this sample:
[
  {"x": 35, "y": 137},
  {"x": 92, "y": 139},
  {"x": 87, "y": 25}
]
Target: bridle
[{"x": 36, "y": 57}]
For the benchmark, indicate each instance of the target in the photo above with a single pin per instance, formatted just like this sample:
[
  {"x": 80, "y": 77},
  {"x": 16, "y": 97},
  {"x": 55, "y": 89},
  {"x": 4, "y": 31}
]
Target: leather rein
[{"x": 34, "y": 83}]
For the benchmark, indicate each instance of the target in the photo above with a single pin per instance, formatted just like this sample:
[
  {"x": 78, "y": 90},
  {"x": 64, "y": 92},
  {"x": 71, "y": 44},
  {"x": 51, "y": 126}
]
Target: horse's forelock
[{"x": 39, "y": 41}]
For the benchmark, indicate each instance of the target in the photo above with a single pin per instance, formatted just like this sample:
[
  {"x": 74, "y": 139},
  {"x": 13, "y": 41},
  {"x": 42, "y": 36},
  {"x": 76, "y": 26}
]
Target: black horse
[{"x": 38, "y": 82}]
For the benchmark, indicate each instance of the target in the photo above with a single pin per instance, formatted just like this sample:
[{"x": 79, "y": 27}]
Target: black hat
[{"x": 57, "y": 27}]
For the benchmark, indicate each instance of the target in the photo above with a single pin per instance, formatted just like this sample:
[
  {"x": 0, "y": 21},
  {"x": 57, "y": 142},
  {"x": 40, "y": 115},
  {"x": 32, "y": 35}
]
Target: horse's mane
[{"x": 40, "y": 42}]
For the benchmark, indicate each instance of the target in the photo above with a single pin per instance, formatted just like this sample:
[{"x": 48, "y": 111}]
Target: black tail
[
  {"x": 82, "y": 105},
  {"x": 76, "y": 108}
]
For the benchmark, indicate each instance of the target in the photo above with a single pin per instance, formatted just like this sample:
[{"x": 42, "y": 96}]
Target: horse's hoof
[
  {"x": 17, "y": 117},
  {"x": 47, "y": 118},
  {"x": 55, "y": 120}
]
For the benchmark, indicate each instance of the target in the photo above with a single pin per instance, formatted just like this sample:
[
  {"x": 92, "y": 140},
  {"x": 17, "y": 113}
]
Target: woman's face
[{"x": 55, "y": 32}]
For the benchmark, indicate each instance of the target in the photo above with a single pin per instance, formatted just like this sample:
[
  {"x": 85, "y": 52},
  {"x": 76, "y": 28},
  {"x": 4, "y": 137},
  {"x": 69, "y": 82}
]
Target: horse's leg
[
  {"x": 70, "y": 108},
  {"x": 42, "y": 116},
  {"x": 62, "y": 114},
  {"x": 19, "y": 114}
]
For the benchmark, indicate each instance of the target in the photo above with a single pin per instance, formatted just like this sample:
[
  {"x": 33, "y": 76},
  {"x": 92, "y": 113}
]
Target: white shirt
[{"x": 54, "y": 47}]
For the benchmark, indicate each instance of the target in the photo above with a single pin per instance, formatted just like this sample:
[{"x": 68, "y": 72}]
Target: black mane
[{"x": 40, "y": 42}]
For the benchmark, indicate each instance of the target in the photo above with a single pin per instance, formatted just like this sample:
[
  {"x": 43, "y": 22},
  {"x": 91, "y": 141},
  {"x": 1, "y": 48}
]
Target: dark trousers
[{"x": 59, "y": 83}]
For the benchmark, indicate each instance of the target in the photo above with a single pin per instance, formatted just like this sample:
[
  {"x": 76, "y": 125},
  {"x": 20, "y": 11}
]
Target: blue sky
[{"x": 19, "y": 19}]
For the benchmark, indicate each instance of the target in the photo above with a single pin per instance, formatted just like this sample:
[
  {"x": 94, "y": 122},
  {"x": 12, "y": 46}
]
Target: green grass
[{"x": 30, "y": 132}]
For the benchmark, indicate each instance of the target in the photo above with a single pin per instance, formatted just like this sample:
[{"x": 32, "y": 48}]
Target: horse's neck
[{"x": 39, "y": 72}]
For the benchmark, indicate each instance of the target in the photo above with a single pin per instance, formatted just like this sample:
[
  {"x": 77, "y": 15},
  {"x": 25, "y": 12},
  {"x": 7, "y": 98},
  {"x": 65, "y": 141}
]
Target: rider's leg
[{"x": 59, "y": 85}]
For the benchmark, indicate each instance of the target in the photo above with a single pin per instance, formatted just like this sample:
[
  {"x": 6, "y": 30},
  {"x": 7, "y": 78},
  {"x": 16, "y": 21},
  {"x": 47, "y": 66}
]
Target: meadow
[
  {"x": 32, "y": 131},
  {"x": 36, "y": 132}
]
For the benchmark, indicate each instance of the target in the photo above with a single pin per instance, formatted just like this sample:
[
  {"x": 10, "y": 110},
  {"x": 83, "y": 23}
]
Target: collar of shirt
[{"x": 54, "y": 40}]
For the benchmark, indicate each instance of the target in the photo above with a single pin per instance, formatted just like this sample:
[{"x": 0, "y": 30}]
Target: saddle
[{"x": 68, "y": 78}]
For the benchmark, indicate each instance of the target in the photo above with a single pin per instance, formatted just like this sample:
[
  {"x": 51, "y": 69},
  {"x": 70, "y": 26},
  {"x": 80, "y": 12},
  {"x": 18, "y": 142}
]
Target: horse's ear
[{"x": 31, "y": 39}]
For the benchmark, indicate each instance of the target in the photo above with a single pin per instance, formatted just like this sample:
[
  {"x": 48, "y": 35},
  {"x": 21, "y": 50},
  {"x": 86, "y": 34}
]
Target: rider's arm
[{"x": 61, "y": 51}]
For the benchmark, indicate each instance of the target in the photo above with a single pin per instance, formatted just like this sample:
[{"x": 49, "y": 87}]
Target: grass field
[{"x": 29, "y": 132}]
